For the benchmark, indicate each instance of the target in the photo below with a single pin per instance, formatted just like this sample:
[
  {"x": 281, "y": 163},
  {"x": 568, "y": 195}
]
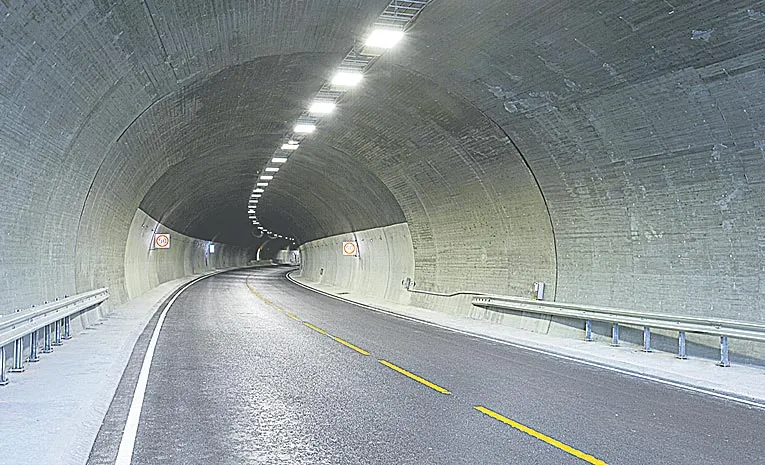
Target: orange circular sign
[
  {"x": 162, "y": 241},
  {"x": 349, "y": 248}
]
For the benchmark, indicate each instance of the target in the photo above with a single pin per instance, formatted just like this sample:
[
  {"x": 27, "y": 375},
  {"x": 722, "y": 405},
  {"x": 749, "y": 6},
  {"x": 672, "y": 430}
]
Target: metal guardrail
[
  {"x": 53, "y": 318},
  {"x": 682, "y": 324}
]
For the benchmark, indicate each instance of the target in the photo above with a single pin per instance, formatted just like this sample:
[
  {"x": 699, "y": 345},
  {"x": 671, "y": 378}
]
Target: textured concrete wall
[
  {"x": 146, "y": 268},
  {"x": 105, "y": 103},
  {"x": 476, "y": 215},
  {"x": 613, "y": 150},
  {"x": 642, "y": 129},
  {"x": 384, "y": 259},
  {"x": 642, "y": 123}
]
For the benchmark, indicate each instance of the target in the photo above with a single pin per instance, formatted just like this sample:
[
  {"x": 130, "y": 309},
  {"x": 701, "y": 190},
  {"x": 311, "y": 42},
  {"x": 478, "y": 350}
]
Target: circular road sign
[
  {"x": 349, "y": 248},
  {"x": 162, "y": 241}
]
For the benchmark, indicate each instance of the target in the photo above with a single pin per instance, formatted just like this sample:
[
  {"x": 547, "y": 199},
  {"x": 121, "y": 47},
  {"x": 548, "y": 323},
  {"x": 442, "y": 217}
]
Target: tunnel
[{"x": 613, "y": 151}]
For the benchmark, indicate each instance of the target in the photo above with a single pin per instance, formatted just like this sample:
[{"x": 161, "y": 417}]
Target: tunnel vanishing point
[{"x": 613, "y": 150}]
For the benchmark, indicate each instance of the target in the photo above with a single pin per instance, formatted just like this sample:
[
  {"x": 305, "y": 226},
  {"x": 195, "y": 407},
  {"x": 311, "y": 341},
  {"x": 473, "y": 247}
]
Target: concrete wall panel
[
  {"x": 384, "y": 260},
  {"x": 146, "y": 268}
]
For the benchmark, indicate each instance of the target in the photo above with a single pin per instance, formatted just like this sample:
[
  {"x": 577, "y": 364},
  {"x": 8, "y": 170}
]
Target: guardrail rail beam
[
  {"x": 744, "y": 330},
  {"x": 53, "y": 319}
]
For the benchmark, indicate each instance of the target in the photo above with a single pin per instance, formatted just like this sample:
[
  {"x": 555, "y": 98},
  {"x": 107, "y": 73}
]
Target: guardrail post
[
  {"x": 57, "y": 333},
  {"x": 46, "y": 340},
  {"x": 646, "y": 339},
  {"x": 3, "y": 376},
  {"x": 67, "y": 328},
  {"x": 724, "y": 361},
  {"x": 33, "y": 346},
  {"x": 615, "y": 335},
  {"x": 588, "y": 330},
  {"x": 18, "y": 356},
  {"x": 681, "y": 346}
]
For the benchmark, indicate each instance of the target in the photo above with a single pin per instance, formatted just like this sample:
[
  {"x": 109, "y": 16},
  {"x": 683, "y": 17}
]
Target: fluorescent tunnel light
[
  {"x": 384, "y": 38},
  {"x": 347, "y": 78},
  {"x": 305, "y": 128},
  {"x": 320, "y": 106}
]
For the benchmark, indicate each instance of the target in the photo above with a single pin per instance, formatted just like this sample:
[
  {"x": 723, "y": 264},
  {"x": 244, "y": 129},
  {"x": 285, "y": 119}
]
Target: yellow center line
[
  {"x": 293, "y": 316},
  {"x": 553, "y": 442},
  {"x": 315, "y": 328},
  {"x": 348, "y": 344},
  {"x": 424, "y": 381},
  {"x": 266, "y": 301}
]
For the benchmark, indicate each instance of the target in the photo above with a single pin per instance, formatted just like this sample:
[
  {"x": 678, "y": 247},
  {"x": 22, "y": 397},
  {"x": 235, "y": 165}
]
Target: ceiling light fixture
[
  {"x": 347, "y": 78},
  {"x": 384, "y": 38},
  {"x": 322, "y": 106},
  {"x": 305, "y": 128}
]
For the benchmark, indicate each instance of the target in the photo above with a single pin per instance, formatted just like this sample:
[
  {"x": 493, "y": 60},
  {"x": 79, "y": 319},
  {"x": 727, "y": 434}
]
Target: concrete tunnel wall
[
  {"x": 112, "y": 107},
  {"x": 613, "y": 150}
]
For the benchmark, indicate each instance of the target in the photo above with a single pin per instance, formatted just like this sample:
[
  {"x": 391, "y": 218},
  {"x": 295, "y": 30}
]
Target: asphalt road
[{"x": 244, "y": 373}]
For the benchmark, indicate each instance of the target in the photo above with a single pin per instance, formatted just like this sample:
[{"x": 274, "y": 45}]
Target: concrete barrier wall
[
  {"x": 385, "y": 258},
  {"x": 146, "y": 268},
  {"x": 287, "y": 257}
]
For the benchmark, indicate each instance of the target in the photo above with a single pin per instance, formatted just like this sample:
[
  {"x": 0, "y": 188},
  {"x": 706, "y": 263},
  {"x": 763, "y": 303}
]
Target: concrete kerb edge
[{"x": 727, "y": 395}]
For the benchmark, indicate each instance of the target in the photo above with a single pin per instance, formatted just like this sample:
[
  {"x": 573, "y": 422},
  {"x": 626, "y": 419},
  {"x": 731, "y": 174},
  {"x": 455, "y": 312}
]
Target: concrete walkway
[
  {"x": 51, "y": 413},
  {"x": 740, "y": 382}
]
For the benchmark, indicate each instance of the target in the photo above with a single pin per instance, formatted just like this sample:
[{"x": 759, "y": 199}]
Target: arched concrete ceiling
[{"x": 613, "y": 149}]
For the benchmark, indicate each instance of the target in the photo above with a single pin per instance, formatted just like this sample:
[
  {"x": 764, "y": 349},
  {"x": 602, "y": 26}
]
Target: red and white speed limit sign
[
  {"x": 349, "y": 248},
  {"x": 162, "y": 241}
]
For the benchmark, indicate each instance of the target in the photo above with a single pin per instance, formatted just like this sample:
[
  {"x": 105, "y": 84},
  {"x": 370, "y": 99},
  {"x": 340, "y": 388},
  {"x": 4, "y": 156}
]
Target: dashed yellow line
[
  {"x": 315, "y": 328},
  {"x": 531, "y": 432},
  {"x": 542, "y": 437},
  {"x": 411, "y": 375},
  {"x": 349, "y": 345}
]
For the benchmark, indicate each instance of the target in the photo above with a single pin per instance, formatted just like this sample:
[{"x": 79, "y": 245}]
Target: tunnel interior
[{"x": 613, "y": 150}]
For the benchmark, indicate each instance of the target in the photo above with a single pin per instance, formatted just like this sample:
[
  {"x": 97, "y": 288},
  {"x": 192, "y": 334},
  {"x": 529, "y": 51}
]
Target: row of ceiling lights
[{"x": 388, "y": 32}]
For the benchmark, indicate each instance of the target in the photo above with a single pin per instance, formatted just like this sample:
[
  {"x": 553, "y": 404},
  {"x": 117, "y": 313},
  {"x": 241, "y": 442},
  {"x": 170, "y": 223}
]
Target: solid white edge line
[
  {"x": 634, "y": 374},
  {"x": 125, "y": 453}
]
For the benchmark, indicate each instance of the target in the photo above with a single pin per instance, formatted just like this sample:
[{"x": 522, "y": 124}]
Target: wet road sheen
[{"x": 250, "y": 368}]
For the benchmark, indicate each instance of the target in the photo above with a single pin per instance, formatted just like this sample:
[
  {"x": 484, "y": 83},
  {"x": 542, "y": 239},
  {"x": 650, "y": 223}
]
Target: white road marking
[{"x": 125, "y": 453}]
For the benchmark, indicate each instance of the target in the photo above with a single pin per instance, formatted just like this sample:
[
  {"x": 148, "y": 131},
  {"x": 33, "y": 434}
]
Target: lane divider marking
[
  {"x": 411, "y": 375},
  {"x": 316, "y": 328},
  {"x": 127, "y": 444},
  {"x": 542, "y": 437},
  {"x": 536, "y": 434},
  {"x": 351, "y": 346},
  {"x": 296, "y": 318}
]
